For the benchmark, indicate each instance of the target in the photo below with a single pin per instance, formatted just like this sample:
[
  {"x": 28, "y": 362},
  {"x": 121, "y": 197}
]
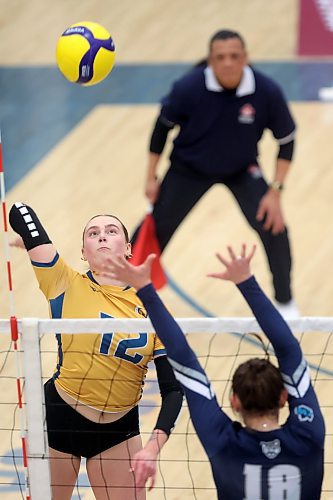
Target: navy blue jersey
[
  {"x": 282, "y": 464},
  {"x": 220, "y": 130}
]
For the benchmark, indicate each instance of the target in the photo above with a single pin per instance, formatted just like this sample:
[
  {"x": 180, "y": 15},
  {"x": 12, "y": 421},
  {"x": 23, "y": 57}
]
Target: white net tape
[{"x": 184, "y": 471}]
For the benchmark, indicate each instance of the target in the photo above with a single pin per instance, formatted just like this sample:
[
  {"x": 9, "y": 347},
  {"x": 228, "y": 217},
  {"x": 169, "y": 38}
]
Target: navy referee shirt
[{"x": 219, "y": 129}]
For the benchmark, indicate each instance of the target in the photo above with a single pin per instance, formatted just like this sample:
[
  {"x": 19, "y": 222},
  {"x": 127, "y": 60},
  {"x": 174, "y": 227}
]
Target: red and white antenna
[{"x": 13, "y": 321}]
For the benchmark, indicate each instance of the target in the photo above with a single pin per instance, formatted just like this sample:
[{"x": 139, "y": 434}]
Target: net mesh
[{"x": 221, "y": 345}]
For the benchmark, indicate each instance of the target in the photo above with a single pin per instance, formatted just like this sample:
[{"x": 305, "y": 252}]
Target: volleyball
[{"x": 85, "y": 53}]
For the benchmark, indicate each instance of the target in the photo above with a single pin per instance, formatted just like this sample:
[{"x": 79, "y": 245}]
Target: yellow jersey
[{"x": 104, "y": 371}]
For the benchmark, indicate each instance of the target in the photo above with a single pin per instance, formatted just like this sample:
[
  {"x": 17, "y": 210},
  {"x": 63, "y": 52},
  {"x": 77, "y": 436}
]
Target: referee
[{"x": 222, "y": 109}]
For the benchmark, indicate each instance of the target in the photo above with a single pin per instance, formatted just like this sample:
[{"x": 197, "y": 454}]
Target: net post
[{"x": 38, "y": 464}]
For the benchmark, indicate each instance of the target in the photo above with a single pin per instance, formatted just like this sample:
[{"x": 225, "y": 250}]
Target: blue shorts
[{"x": 70, "y": 432}]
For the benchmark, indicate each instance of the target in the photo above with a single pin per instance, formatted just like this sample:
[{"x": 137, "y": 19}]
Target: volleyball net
[{"x": 183, "y": 469}]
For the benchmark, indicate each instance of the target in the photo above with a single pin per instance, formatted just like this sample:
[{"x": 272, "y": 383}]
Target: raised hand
[
  {"x": 118, "y": 268},
  {"x": 237, "y": 267}
]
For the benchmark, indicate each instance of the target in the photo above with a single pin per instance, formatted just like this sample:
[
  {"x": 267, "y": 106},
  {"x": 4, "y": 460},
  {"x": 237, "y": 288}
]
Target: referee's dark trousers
[{"x": 182, "y": 188}]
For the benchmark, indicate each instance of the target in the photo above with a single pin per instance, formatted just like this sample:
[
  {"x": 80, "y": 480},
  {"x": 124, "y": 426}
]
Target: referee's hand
[
  {"x": 270, "y": 212},
  {"x": 152, "y": 189}
]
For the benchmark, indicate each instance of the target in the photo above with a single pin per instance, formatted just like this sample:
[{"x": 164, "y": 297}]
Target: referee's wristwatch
[{"x": 276, "y": 186}]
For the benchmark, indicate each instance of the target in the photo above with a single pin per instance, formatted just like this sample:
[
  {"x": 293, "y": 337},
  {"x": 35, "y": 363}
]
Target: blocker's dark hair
[{"x": 258, "y": 385}]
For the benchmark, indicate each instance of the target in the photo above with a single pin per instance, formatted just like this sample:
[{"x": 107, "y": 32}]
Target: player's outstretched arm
[
  {"x": 237, "y": 270},
  {"x": 32, "y": 234},
  {"x": 292, "y": 365},
  {"x": 206, "y": 414}
]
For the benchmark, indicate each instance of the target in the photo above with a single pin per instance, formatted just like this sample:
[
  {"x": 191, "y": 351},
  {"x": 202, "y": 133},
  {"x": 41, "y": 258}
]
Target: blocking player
[
  {"x": 260, "y": 459},
  {"x": 92, "y": 398}
]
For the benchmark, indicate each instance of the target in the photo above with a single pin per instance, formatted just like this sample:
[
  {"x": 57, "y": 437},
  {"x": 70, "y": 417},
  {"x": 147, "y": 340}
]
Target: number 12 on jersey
[{"x": 123, "y": 345}]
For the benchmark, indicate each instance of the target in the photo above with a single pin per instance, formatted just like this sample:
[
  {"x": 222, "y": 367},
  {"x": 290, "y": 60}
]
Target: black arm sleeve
[
  {"x": 25, "y": 222},
  {"x": 159, "y": 135},
  {"x": 286, "y": 151},
  {"x": 171, "y": 393}
]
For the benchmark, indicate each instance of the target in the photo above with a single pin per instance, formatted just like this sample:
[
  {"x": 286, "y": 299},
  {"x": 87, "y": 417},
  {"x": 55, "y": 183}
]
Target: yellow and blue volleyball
[{"x": 85, "y": 53}]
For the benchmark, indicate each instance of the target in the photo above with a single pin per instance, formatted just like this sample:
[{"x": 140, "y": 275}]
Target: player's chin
[
  {"x": 101, "y": 260},
  {"x": 105, "y": 255}
]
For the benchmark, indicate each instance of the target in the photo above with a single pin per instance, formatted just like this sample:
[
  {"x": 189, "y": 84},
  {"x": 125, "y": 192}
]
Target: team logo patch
[
  {"x": 271, "y": 449},
  {"x": 246, "y": 114},
  {"x": 304, "y": 413},
  {"x": 140, "y": 311}
]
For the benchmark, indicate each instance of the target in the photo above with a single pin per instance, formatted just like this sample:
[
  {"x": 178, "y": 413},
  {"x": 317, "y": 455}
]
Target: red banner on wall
[{"x": 315, "y": 32}]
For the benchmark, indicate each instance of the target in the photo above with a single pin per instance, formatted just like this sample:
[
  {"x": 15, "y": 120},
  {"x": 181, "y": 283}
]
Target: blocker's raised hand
[
  {"x": 117, "y": 267},
  {"x": 237, "y": 267}
]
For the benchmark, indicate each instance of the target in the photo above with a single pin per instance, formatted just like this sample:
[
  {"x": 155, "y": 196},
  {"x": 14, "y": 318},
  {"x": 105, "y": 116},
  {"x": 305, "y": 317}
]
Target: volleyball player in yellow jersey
[{"x": 92, "y": 398}]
